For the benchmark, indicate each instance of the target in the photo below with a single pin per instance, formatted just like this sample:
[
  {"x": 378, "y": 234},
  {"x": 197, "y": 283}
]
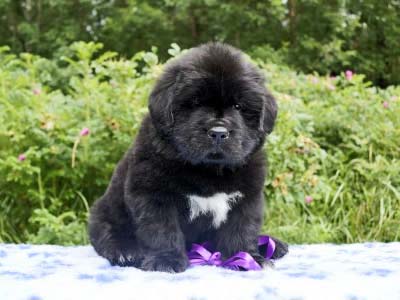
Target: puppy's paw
[
  {"x": 171, "y": 262},
  {"x": 281, "y": 249},
  {"x": 259, "y": 259},
  {"x": 121, "y": 258}
]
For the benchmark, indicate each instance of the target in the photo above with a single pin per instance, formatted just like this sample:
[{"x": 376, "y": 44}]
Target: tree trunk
[
  {"x": 194, "y": 27},
  {"x": 292, "y": 15}
]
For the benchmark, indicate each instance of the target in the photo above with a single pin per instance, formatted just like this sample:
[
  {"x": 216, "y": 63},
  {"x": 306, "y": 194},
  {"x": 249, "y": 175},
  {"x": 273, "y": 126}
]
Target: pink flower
[
  {"x": 314, "y": 79},
  {"x": 349, "y": 74},
  {"x": 113, "y": 83},
  {"x": 331, "y": 87},
  {"x": 385, "y": 104},
  {"x": 37, "y": 91},
  {"x": 85, "y": 131},
  {"x": 21, "y": 157},
  {"x": 308, "y": 199}
]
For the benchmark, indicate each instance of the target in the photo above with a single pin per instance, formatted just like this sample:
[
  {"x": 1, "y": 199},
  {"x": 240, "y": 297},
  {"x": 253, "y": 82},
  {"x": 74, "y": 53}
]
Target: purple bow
[{"x": 201, "y": 255}]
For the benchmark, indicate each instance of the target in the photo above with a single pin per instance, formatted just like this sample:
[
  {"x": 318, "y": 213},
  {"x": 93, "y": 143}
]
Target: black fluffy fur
[{"x": 143, "y": 218}]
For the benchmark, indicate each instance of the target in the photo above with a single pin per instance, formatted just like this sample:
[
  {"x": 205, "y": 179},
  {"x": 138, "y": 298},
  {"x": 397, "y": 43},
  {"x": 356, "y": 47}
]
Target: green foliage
[
  {"x": 65, "y": 229},
  {"x": 325, "y": 36},
  {"x": 336, "y": 140},
  {"x": 63, "y": 168}
]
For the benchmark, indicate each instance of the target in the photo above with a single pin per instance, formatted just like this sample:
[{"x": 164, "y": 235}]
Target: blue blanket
[{"x": 356, "y": 271}]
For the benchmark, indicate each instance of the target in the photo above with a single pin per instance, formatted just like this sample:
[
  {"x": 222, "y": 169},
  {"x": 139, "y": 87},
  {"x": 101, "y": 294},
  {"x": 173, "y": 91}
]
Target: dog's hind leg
[{"x": 114, "y": 240}]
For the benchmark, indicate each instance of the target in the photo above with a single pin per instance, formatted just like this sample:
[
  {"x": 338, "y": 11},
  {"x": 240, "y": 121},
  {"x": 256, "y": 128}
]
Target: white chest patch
[{"x": 217, "y": 205}]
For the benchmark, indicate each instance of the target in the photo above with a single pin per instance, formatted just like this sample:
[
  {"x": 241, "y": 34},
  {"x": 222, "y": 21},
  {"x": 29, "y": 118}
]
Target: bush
[
  {"x": 64, "y": 124},
  {"x": 337, "y": 145},
  {"x": 52, "y": 166}
]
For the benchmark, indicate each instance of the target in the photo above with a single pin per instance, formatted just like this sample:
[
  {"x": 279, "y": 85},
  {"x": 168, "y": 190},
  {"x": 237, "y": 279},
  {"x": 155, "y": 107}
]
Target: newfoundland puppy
[{"x": 196, "y": 171}]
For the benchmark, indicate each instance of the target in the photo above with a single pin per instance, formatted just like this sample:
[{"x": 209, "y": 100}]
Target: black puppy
[{"x": 196, "y": 171}]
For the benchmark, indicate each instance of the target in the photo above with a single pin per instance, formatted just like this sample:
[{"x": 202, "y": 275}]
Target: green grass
[{"x": 336, "y": 140}]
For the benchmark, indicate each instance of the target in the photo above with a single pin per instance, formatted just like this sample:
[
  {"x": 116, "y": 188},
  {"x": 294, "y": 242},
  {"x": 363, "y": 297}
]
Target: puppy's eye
[
  {"x": 191, "y": 103},
  {"x": 237, "y": 106}
]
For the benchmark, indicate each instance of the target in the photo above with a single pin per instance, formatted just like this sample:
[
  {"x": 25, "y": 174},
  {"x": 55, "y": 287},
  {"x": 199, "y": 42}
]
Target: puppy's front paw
[
  {"x": 171, "y": 262},
  {"x": 281, "y": 249},
  {"x": 261, "y": 260}
]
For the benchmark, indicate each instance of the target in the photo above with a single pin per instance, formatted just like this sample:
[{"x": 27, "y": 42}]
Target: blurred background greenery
[
  {"x": 69, "y": 110},
  {"x": 326, "y": 36}
]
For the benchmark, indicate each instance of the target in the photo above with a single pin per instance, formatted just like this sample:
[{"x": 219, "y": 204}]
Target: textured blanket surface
[{"x": 357, "y": 271}]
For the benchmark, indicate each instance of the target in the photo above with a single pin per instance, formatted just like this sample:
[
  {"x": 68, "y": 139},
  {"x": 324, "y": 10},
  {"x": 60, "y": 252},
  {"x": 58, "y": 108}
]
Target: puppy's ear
[
  {"x": 269, "y": 109},
  {"x": 161, "y": 102},
  {"x": 268, "y": 113}
]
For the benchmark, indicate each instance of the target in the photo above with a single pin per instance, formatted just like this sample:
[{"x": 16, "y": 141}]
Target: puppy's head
[{"x": 212, "y": 105}]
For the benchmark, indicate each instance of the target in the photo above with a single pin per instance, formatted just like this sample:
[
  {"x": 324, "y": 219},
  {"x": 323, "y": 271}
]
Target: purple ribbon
[
  {"x": 201, "y": 255},
  {"x": 264, "y": 241}
]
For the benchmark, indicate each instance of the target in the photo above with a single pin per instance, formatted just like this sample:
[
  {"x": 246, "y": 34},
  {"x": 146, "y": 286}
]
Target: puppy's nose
[{"x": 218, "y": 133}]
